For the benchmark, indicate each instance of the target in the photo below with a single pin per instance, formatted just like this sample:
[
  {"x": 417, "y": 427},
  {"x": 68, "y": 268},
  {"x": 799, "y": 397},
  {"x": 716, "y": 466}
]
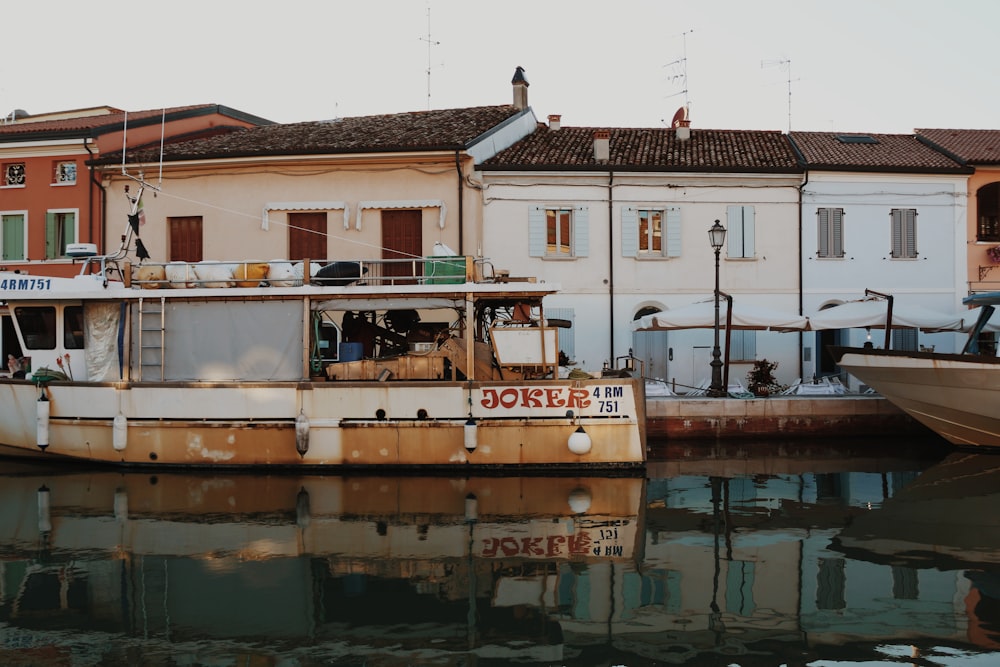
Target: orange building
[{"x": 50, "y": 199}]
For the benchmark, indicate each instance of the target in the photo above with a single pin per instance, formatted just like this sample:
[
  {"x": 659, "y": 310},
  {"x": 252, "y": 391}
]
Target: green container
[{"x": 444, "y": 270}]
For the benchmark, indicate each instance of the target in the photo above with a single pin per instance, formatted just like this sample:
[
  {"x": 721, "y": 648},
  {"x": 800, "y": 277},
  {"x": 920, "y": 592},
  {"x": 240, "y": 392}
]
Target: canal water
[{"x": 823, "y": 553}]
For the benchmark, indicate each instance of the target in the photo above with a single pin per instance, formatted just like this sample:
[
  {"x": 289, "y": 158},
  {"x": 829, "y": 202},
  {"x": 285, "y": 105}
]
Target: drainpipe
[
  {"x": 461, "y": 221},
  {"x": 801, "y": 304},
  {"x": 90, "y": 210},
  {"x": 611, "y": 265}
]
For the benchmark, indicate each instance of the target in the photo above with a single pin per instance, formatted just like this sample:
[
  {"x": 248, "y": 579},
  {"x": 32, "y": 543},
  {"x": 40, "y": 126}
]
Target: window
[
  {"x": 742, "y": 345},
  {"x": 307, "y": 235},
  {"x": 741, "y": 231},
  {"x": 185, "y": 239},
  {"x": 904, "y": 233},
  {"x": 651, "y": 232},
  {"x": 60, "y": 230},
  {"x": 73, "y": 327},
  {"x": 38, "y": 324},
  {"x": 988, "y": 213},
  {"x": 14, "y": 175},
  {"x": 830, "y": 223},
  {"x": 65, "y": 173},
  {"x": 13, "y": 236},
  {"x": 558, "y": 232}
]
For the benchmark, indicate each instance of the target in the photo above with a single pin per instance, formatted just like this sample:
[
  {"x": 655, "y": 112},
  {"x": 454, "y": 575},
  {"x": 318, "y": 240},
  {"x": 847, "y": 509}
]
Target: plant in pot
[
  {"x": 993, "y": 252},
  {"x": 761, "y": 380}
]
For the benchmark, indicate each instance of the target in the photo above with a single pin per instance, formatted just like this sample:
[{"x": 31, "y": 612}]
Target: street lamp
[{"x": 717, "y": 236}]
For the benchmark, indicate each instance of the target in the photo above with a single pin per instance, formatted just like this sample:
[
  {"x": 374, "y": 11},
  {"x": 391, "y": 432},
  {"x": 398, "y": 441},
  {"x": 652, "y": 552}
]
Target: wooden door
[{"x": 402, "y": 239}]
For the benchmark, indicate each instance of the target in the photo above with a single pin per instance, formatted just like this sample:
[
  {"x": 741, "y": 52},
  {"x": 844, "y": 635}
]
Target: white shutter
[
  {"x": 536, "y": 231},
  {"x": 748, "y": 232},
  {"x": 630, "y": 232},
  {"x": 581, "y": 231},
  {"x": 673, "y": 232}
]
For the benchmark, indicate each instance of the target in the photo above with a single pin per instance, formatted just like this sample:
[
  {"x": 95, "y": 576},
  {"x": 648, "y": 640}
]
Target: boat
[
  {"x": 955, "y": 395},
  {"x": 430, "y": 362}
]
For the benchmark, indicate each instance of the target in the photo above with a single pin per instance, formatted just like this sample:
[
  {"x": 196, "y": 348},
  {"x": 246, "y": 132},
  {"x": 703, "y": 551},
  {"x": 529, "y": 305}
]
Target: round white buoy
[
  {"x": 42, "y": 432},
  {"x": 119, "y": 433},
  {"x": 471, "y": 435},
  {"x": 302, "y": 434},
  {"x": 579, "y": 441},
  {"x": 579, "y": 500},
  {"x": 471, "y": 507}
]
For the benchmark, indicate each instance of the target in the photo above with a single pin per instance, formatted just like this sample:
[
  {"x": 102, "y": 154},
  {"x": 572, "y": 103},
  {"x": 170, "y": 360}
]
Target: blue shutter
[
  {"x": 673, "y": 232},
  {"x": 630, "y": 232},
  {"x": 581, "y": 231},
  {"x": 536, "y": 231},
  {"x": 748, "y": 232},
  {"x": 734, "y": 223}
]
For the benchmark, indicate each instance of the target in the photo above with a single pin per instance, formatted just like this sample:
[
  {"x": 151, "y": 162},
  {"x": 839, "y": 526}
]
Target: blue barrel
[{"x": 350, "y": 352}]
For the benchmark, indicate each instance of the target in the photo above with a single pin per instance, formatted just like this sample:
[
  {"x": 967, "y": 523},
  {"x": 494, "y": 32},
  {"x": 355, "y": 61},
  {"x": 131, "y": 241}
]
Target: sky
[{"x": 882, "y": 66}]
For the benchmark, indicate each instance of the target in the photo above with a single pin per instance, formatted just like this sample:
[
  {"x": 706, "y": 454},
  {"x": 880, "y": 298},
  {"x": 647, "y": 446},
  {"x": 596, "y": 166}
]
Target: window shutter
[
  {"x": 13, "y": 237},
  {"x": 581, "y": 231},
  {"x": 740, "y": 222},
  {"x": 837, "y": 222},
  {"x": 673, "y": 232},
  {"x": 910, "y": 232},
  {"x": 748, "y": 232},
  {"x": 50, "y": 235},
  {"x": 70, "y": 232},
  {"x": 630, "y": 232},
  {"x": 536, "y": 231},
  {"x": 823, "y": 225}
]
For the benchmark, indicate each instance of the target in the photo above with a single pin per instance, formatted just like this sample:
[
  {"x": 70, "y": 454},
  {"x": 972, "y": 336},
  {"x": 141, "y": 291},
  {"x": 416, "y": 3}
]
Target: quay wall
[{"x": 777, "y": 417}]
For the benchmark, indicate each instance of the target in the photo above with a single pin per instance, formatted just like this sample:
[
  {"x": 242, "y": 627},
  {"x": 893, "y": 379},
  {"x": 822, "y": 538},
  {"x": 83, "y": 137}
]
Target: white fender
[
  {"x": 44, "y": 513},
  {"x": 119, "y": 433},
  {"x": 579, "y": 442},
  {"x": 42, "y": 407},
  {"x": 302, "y": 434},
  {"x": 471, "y": 435}
]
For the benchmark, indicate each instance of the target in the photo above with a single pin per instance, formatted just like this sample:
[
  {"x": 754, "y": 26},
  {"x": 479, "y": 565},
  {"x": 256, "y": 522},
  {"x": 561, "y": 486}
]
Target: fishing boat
[
  {"x": 436, "y": 362},
  {"x": 955, "y": 395}
]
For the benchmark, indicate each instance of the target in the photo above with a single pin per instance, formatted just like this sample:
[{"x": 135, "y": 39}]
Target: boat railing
[{"x": 439, "y": 270}]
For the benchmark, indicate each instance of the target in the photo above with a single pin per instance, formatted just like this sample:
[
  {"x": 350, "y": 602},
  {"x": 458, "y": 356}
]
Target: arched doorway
[{"x": 651, "y": 347}]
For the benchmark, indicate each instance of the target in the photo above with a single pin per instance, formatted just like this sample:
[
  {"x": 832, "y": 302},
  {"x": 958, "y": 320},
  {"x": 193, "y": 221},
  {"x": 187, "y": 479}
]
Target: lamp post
[{"x": 717, "y": 236}]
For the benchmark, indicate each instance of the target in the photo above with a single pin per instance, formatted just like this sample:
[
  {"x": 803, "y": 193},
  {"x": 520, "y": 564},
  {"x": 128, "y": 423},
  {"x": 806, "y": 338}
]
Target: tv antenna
[
  {"x": 430, "y": 43},
  {"x": 785, "y": 64},
  {"x": 678, "y": 71}
]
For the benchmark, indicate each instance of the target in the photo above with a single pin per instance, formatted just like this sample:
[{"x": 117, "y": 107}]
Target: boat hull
[
  {"x": 954, "y": 395},
  {"x": 331, "y": 424}
]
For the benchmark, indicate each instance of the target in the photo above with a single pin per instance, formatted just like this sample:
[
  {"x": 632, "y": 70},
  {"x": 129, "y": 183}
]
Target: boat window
[
  {"x": 38, "y": 326},
  {"x": 73, "y": 327}
]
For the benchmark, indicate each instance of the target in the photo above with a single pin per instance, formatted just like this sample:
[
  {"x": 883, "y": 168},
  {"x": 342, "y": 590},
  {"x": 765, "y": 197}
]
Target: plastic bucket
[{"x": 350, "y": 352}]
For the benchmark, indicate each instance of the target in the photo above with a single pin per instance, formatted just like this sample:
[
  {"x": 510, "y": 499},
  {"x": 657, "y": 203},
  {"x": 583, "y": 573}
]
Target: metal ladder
[{"x": 151, "y": 335}]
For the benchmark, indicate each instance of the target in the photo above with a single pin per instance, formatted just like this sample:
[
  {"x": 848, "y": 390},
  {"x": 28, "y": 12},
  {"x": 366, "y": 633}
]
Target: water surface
[{"x": 822, "y": 553}]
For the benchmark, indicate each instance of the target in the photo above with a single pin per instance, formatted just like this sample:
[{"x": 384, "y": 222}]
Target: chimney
[
  {"x": 554, "y": 121},
  {"x": 520, "y": 89},
  {"x": 602, "y": 145},
  {"x": 683, "y": 130}
]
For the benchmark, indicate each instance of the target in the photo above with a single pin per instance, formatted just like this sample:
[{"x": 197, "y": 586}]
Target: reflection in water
[{"x": 727, "y": 555}]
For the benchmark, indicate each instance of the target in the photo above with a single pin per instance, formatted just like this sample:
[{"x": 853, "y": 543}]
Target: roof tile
[
  {"x": 971, "y": 146},
  {"x": 655, "y": 149},
  {"x": 887, "y": 152}
]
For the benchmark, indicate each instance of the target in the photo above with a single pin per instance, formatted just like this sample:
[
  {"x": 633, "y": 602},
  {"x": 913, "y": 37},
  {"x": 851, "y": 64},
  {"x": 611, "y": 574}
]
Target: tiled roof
[
  {"x": 90, "y": 125},
  {"x": 445, "y": 129},
  {"x": 871, "y": 152},
  {"x": 650, "y": 149},
  {"x": 970, "y": 146}
]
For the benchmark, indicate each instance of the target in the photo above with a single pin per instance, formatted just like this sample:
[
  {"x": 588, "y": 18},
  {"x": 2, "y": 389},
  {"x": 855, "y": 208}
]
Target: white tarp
[
  {"x": 872, "y": 313},
  {"x": 701, "y": 315},
  {"x": 971, "y": 316}
]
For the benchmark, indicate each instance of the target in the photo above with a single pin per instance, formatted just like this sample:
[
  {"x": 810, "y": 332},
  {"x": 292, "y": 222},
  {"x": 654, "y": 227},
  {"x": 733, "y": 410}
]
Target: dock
[{"x": 776, "y": 418}]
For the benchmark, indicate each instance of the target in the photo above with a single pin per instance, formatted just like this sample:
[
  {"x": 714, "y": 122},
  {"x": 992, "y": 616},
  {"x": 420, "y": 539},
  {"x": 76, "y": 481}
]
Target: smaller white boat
[{"x": 955, "y": 395}]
